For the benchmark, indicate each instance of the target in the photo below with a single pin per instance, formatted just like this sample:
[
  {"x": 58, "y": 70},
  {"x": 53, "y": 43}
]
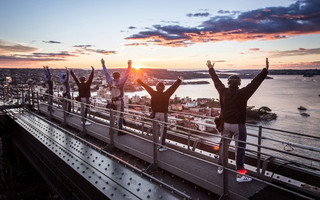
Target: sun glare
[{"x": 137, "y": 66}]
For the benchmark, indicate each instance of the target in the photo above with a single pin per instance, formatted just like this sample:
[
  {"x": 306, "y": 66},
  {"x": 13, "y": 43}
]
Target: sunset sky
[{"x": 171, "y": 34}]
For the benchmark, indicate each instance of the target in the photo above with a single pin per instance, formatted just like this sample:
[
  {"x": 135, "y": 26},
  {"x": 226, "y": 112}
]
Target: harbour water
[{"x": 283, "y": 94}]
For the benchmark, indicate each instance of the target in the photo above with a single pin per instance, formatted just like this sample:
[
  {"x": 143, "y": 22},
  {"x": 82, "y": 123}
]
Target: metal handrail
[{"x": 105, "y": 110}]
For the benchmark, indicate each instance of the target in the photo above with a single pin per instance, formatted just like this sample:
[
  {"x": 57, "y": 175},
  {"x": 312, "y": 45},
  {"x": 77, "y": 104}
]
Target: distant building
[
  {"x": 135, "y": 99},
  {"x": 191, "y": 104}
]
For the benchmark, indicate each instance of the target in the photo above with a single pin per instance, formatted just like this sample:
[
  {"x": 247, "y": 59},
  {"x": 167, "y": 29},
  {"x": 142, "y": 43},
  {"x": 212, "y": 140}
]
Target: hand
[
  {"x": 210, "y": 65},
  {"x": 180, "y": 77},
  {"x": 102, "y": 61},
  {"x": 92, "y": 68},
  {"x": 267, "y": 64},
  {"x": 129, "y": 64}
]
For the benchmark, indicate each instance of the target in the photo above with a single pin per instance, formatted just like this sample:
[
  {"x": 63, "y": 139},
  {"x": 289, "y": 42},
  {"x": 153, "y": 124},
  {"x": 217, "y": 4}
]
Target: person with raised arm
[
  {"x": 64, "y": 79},
  {"x": 84, "y": 92},
  {"x": 116, "y": 85},
  {"x": 159, "y": 106},
  {"x": 49, "y": 81},
  {"x": 233, "y": 102}
]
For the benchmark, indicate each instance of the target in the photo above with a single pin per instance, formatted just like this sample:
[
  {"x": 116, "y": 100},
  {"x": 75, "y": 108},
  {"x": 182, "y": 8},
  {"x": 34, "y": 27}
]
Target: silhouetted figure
[
  {"x": 48, "y": 79},
  {"x": 159, "y": 106},
  {"x": 233, "y": 103},
  {"x": 116, "y": 88},
  {"x": 64, "y": 78},
  {"x": 84, "y": 92}
]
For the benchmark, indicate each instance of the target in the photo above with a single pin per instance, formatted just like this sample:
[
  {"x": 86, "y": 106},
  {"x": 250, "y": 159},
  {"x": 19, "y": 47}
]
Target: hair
[
  {"x": 116, "y": 75},
  {"x": 63, "y": 76},
  {"x": 82, "y": 79},
  {"x": 234, "y": 80},
  {"x": 160, "y": 86}
]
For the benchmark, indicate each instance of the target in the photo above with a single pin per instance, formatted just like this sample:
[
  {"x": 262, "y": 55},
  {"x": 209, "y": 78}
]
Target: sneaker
[
  {"x": 162, "y": 148},
  {"x": 87, "y": 123},
  {"x": 243, "y": 179},
  {"x": 220, "y": 170}
]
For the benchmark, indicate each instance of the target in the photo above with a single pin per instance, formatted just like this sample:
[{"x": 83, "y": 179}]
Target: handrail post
[
  {"x": 225, "y": 194},
  {"x": 142, "y": 125},
  {"x": 189, "y": 135},
  {"x": 259, "y": 149},
  {"x": 83, "y": 120},
  {"x": 38, "y": 102},
  {"x": 155, "y": 135},
  {"x": 154, "y": 163},
  {"x": 32, "y": 96},
  {"x": 72, "y": 104},
  {"x": 22, "y": 99},
  {"x": 111, "y": 132},
  {"x": 64, "y": 102},
  {"x": 50, "y": 106}
]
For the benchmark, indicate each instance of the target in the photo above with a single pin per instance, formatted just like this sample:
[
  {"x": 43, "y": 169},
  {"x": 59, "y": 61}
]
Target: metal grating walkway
[{"x": 108, "y": 175}]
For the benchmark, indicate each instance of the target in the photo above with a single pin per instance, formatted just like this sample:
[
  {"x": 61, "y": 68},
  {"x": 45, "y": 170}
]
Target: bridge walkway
[{"x": 200, "y": 172}]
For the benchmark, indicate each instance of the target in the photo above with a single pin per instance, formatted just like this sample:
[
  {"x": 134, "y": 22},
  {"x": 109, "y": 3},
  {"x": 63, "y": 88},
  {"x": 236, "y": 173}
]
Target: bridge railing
[
  {"x": 262, "y": 142},
  {"x": 265, "y": 144}
]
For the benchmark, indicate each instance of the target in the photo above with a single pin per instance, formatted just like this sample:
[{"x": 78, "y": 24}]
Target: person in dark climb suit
[
  {"x": 233, "y": 103},
  {"x": 159, "y": 106}
]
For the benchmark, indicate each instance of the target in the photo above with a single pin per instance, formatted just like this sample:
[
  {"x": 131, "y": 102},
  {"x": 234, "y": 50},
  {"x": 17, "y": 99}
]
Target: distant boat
[
  {"x": 302, "y": 108},
  {"x": 305, "y": 114}
]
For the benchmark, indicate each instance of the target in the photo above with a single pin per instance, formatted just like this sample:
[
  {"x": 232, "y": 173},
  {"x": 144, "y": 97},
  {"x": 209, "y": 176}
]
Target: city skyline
[{"x": 160, "y": 34}]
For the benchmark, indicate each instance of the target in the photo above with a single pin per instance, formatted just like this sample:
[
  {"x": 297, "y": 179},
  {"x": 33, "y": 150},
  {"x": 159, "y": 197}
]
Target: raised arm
[
  {"x": 47, "y": 72},
  {"x": 174, "y": 86},
  {"x": 106, "y": 73},
  {"x": 147, "y": 87},
  {"x": 67, "y": 75},
  {"x": 256, "y": 82},
  {"x": 74, "y": 77},
  {"x": 91, "y": 76},
  {"x": 125, "y": 76},
  {"x": 217, "y": 82}
]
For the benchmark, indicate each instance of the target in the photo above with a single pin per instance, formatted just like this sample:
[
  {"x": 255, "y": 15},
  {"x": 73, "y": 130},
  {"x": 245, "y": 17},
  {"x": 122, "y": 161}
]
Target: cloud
[
  {"x": 9, "y": 48},
  {"x": 298, "y": 52},
  {"x": 104, "y": 52},
  {"x": 254, "y": 49},
  {"x": 34, "y": 57},
  {"x": 51, "y": 42},
  {"x": 170, "y": 22},
  {"x": 219, "y": 61},
  {"x": 137, "y": 44},
  {"x": 271, "y": 23},
  {"x": 132, "y": 27},
  {"x": 205, "y": 14},
  {"x": 298, "y": 65},
  {"x": 85, "y": 48}
]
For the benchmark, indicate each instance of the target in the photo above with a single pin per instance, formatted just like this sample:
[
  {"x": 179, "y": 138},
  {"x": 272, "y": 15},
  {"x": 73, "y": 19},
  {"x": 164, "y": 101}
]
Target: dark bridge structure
[{"x": 97, "y": 161}]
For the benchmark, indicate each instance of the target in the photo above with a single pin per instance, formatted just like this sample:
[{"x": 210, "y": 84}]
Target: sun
[{"x": 137, "y": 66}]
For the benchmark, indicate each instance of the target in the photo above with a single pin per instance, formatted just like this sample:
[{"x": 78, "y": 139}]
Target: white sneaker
[
  {"x": 220, "y": 170},
  {"x": 243, "y": 179},
  {"x": 162, "y": 149},
  {"x": 87, "y": 123}
]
